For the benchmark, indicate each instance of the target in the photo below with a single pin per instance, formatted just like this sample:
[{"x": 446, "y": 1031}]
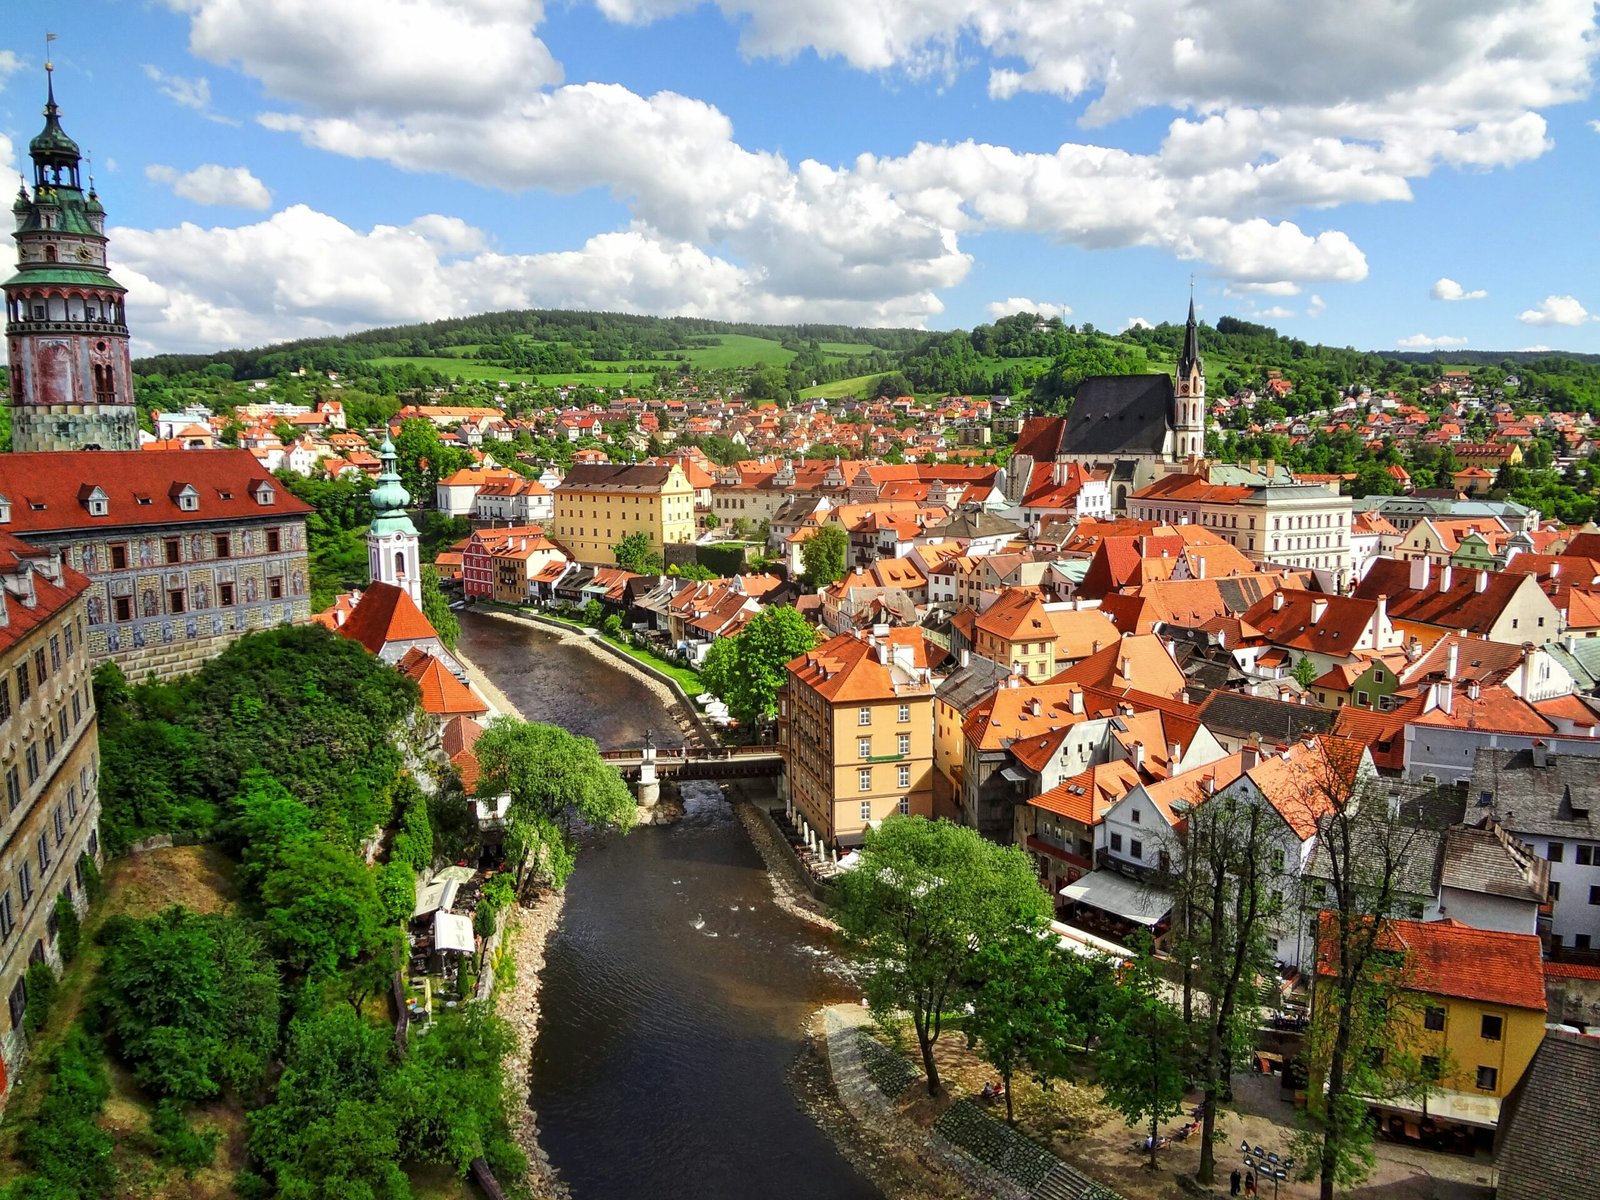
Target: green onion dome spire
[{"x": 390, "y": 498}]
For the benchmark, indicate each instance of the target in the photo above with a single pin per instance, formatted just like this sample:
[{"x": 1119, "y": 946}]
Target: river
[{"x": 674, "y": 988}]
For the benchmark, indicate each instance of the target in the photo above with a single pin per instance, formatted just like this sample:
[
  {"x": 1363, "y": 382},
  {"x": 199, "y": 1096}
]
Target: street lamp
[{"x": 1267, "y": 1165}]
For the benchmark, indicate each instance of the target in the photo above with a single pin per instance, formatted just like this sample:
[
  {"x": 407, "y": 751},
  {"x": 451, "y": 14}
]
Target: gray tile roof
[
  {"x": 1545, "y": 1146},
  {"x": 1120, "y": 414},
  {"x": 1238, "y": 715},
  {"x": 967, "y": 685},
  {"x": 1559, "y": 800},
  {"x": 1489, "y": 861}
]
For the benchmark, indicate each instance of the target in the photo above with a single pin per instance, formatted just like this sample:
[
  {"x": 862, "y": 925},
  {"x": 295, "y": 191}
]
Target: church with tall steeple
[
  {"x": 392, "y": 553},
  {"x": 66, "y": 320},
  {"x": 1127, "y": 430}
]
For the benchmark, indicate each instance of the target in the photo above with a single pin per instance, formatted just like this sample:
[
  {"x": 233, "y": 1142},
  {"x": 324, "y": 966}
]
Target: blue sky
[{"x": 1375, "y": 175}]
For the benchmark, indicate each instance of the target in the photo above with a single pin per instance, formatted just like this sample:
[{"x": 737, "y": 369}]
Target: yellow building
[
  {"x": 599, "y": 504},
  {"x": 1472, "y": 1017},
  {"x": 49, "y": 765},
  {"x": 855, "y": 721}
]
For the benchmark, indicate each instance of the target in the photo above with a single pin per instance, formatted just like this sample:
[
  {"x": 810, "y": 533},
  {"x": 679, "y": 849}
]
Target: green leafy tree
[
  {"x": 437, "y": 609},
  {"x": 321, "y": 907},
  {"x": 41, "y": 985},
  {"x": 551, "y": 776},
  {"x": 1305, "y": 671},
  {"x": 824, "y": 555},
  {"x": 749, "y": 669},
  {"x": 67, "y": 1153},
  {"x": 189, "y": 1002},
  {"x": 397, "y": 891},
  {"x": 423, "y": 459},
  {"x": 69, "y": 929},
  {"x": 924, "y": 894},
  {"x": 1358, "y": 1017},
  {"x": 1224, "y": 896},
  {"x": 634, "y": 553},
  {"x": 1142, "y": 1049},
  {"x": 267, "y": 820},
  {"x": 413, "y": 839},
  {"x": 1030, "y": 1001}
]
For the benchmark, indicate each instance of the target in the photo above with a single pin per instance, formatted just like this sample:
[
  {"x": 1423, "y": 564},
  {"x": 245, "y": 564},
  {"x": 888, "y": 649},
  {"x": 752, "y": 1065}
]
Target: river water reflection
[{"x": 674, "y": 987}]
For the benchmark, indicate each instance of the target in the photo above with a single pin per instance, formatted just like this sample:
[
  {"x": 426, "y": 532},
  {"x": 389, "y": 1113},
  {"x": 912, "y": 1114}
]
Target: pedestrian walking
[
  {"x": 1250, "y": 1184},
  {"x": 1235, "y": 1182}
]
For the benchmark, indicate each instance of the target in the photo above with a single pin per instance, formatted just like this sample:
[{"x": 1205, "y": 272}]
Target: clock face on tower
[{"x": 85, "y": 254}]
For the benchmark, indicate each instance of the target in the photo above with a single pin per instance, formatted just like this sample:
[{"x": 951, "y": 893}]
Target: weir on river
[{"x": 674, "y": 988}]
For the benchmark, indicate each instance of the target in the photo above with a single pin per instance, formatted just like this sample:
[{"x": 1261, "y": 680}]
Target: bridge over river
[{"x": 693, "y": 762}]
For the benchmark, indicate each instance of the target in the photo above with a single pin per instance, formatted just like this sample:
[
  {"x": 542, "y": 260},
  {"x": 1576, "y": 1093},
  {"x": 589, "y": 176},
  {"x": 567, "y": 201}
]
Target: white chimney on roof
[
  {"x": 1482, "y": 582},
  {"x": 1277, "y": 601},
  {"x": 1452, "y": 661},
  {"x": 1318, "y": 608},
  {"x": 1138, "y": 756},
  {"x": 1076, "y": 701},
  {"x": 1446, "y": 577},
  {"x": 1421, "y": 570}
]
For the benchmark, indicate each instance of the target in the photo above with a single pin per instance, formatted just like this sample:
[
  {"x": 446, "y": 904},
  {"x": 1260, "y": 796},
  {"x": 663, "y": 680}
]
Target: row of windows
[
  {"x": 904, "y": 808},
  {"x": 25, "y": 888},
  {"x": 902, "y": 746},
  {"x": 178, "y": 600},
  {"x": 1584, "y": 856},
  {"x": 46, "y": 661},
  {"x": 52, "y": 743},
  {"x": 902, "y": 778},
  {"x": 17, "y": 1000},
  {"x": 864, "y": 715},
  {"x": 172, "y": 550}
]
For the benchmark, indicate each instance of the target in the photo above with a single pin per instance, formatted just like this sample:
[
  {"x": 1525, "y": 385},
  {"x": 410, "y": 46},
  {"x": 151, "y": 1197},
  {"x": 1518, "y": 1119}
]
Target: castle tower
[
  {"x": 392, "y": 555},
  {"x": 1189, "y": 419},
  {"x": 66, "y": 328}
]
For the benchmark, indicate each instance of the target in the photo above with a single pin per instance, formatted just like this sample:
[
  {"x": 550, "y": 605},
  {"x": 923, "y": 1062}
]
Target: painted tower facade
[
  {"x": 392, "y": 553},
  {"x": 1189, "y": 388},
  {"x": 66, "y": 325}
]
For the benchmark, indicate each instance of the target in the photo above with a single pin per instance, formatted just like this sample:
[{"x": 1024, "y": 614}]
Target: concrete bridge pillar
[{"x": 649, "y": 792}]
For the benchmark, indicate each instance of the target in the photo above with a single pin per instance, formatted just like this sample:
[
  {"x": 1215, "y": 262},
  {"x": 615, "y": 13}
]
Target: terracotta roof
[
  {"x": 849, "y": 668},
  {"x": 386, "y": 613},
  {"x": 1297, "y": 782},
  {"x": 51, "y": 491},
  {"x": 1303, "y": 620},
  {"x": 1462, "y": 606},
  {"x": 1087, "y": 795},
  {"x": 1192, "y": 787},
  {"x": 1137, "y": 660},
  {"x": 1017, "y": 614},
  {"x": 1447, "y": 958},
  {"x": 50, "y": 597},
  {"x": 442, "y": 693},
  {"x": 1196, "y": 488},
  {"x": 1010, "y": 714}
]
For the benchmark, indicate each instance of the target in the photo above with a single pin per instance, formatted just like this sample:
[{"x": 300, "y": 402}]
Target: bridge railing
[{"x": 694, "y": 754}]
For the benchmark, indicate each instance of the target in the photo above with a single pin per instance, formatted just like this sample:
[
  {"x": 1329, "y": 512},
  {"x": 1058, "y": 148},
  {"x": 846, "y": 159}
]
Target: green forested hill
[{"x": 1017, "y": 355}]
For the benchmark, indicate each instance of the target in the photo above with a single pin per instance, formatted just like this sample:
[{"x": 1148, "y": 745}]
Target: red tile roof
[
  {"x": 1447, "y": 958},
  {"x": 50, "y": 598},
  {"x": 442, "y": 693},
  {"x": 50, "y": 491},
  {"x": 384, "y": 614}
]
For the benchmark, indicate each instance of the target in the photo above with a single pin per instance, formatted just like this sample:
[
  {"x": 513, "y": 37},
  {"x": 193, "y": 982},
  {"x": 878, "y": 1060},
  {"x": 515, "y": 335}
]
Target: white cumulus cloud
[
  {"x": 212, "y": 184},
  {"x": 302, "y": 273},
  {"x": 1136, "y": 323},
  {"x": 1422, "y": 341},
  {"x": 1276, "y": 313},
  {"x": 1445, "y": 288},
  {"x": 10, "y": 64},
  {"x": 1556, "y": 310},
  {"x": 1021, "y": 304},
  {"x": 1316, "y": 306}
]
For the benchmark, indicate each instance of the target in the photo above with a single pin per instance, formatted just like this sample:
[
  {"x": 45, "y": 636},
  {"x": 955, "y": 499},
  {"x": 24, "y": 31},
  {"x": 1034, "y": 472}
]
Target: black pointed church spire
[{"x": 1189, "y": 360}]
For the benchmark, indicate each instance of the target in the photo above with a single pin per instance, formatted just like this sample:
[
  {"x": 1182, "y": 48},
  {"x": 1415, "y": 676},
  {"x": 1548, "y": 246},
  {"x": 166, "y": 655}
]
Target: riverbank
[
  {"x": 519, "y": 1005},
  {"x": 525, "y": 941},
  {"x": 686, "y": 721},
  {"x": 788, "y": 891}
]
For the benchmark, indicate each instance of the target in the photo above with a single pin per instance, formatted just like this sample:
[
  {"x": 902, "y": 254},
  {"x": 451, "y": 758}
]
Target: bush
[
  {"x": 175, "y": 1141},
  {"x": 190, "y": 1002},
  {"x": 69, "y": 930},
  {"x": 413, "y": 841},
  {"x": 42, "y": 987},
  {"x": 397, "y": 892},
  {"x": 93, "y": 885},
  {"x": 68, "y": 1154}
]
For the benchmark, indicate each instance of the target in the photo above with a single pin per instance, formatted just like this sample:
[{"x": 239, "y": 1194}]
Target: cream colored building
[
  {"x": 855, "y": 720},
  {"x": 599, "y": 504},
  {"x": 1301, "y": 525},
  {"x": 49, "y": 764}
]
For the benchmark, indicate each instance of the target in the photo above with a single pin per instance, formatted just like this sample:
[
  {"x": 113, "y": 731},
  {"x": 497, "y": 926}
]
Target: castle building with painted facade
[{"x": 183, "y": 550}]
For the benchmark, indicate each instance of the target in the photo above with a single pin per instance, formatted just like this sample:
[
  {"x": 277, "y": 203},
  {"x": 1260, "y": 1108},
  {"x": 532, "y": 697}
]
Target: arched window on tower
[
  {"x": 105, "y": 385},
  {"x": 50, "y": 254},
  {"x": 399, "y": 564}
]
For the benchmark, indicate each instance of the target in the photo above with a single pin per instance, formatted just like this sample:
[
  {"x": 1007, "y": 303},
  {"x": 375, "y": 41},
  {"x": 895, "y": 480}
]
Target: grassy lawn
[
  {"x": 846, "y": 349},
  {"x": 689, "y": 680},
  {"x": 466, "y": 368},
  {"x": 200, "y": 878},
  {"x": 856, "y": 385},
  {"x": 739, "y": 350}
]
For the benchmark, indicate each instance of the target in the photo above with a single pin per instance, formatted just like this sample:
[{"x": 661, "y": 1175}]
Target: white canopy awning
[
  {"x": 1120, "y": 896},
  {"x": 441, "y": 893},
  {"x": 452, "y": 931}
]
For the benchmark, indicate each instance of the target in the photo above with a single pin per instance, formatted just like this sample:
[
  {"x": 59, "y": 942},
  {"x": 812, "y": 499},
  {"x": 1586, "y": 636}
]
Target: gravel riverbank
[{"x": 520, "y": 1006}]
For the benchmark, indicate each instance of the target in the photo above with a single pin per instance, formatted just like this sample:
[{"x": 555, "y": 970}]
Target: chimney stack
[
  {"x": 1076, "y": 701},
  {"x": 1446, "y": 577},
  {"x": 1421, "y": 571},
  {"x": 1452, "y": 661},
  {"x": 1318, "y": 608},
  {"x": 1277, "y": 601},
  {"x": 1034, "y": 707},
  {"x": 1249, "y": 754},
  {"x": 1138, "y": 756},
  {"x": 1173, "y": 753},
  {"x": 1481, "y": 584}
]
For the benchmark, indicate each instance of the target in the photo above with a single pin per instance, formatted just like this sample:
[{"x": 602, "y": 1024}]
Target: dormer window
[
  {"x": 5, "y": 511},
  {"x": 94, "y": 500},
  {"x": 187, "y": 496},
  {"x": 265, "y": 494}
]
